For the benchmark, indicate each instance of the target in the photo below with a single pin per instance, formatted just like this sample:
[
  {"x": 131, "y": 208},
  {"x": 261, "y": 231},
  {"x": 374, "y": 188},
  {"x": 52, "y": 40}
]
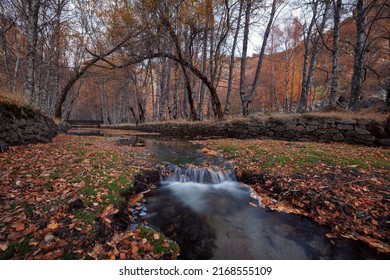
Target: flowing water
[{"x": 212, "y": 216}]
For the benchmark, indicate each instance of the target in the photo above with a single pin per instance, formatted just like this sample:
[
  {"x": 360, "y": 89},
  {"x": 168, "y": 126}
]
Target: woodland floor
[{"x": 63, "y": 200}]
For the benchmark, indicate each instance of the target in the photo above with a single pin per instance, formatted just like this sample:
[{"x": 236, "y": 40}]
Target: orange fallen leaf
[
  {"x": 18, "y": 226},
  {"x": 135, "y": 198},
  {"x": 52, "y": 226}
]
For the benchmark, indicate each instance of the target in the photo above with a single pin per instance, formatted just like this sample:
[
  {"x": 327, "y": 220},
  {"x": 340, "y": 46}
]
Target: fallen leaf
[
  {"x": 134, "y": 249},
  {"x": 252, "y": 204},
  {"x": 52, "y": 226},
  {"x": 18, "y": 226},
  {"x": 14, "y": 236},
  {"x": 156, "y": 236},
  {"x": 135, "y": 198},
  {"x": 4, "y": 246}
]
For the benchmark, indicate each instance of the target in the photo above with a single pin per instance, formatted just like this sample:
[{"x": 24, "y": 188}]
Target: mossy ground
[{"x": 40, "y": 182}]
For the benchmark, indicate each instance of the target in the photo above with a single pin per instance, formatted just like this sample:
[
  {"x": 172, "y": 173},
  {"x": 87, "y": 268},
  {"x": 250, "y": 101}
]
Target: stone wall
[
  {"x": 22, "y": 125},
  {"x": 294, "y": 128}
]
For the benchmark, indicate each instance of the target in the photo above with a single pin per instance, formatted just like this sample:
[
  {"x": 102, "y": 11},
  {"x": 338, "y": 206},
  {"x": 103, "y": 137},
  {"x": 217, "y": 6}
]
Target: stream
[{"x": 200, "y": 205}]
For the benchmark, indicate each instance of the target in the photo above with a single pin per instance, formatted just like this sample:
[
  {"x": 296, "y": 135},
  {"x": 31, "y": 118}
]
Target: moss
[
  {"x": 162, "y": 245},
  {"x": 17, "y": 250}
]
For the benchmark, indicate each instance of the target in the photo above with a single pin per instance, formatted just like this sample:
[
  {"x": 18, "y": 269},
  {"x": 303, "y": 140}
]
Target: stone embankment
[
  {"x": 292, "y": 128},
  {"x": 23, "y": 125}
]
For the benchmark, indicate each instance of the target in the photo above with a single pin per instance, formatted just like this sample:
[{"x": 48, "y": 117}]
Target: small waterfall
[{"x": 204, "y": 175}]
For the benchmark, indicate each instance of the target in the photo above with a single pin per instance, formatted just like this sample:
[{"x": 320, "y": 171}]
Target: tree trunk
[
  {"x": 232, "y": 60},
  {"x": 244, "y": 101},
  {"x": 4, "y": 48},
  {"x": 356, "y": 82},
  {"x": 105, "y": 107},
  {"x": 308, "y": 81},
  {"x": 335, "y": 52},
  {"x": 305, "y": 87},
  {"x": 32, "y": 38},
  {"x": 204, "y": 69},
  {"x": 262, "y": 51}
]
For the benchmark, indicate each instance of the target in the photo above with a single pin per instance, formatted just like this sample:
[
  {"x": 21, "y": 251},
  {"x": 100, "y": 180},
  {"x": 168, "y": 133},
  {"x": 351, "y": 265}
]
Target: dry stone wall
[
  {"x": 22, "y": 125},
  {"x": 292, "y": 128}
]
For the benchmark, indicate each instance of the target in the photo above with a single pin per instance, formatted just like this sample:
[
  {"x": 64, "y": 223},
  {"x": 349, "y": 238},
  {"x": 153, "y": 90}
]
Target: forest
[{"x": 129, "y": 61}]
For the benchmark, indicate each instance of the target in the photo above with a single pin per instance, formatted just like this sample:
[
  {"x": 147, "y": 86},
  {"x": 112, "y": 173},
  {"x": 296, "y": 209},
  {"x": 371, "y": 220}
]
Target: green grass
[
  {"x": 88, "y": 190},
  {"x": 158, "y": 244},
  {"x": 382, "y": 164},
  {"x": 271, "y": 156},
  {"x": 17, "y": 250},
  {"x": 28, "y": 209}
]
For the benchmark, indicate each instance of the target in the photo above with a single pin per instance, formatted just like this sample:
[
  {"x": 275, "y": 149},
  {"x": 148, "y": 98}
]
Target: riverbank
[
  {"x": 67, "y": 200},
  {"x": 344, "y": 187}
]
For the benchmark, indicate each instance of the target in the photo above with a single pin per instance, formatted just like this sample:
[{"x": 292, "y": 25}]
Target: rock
[
  {"x": 339, "y": 137},
  {"x": 310, "y": 128},
  {"x": 289, "y": 134},
  {"x": 22, "y": 125},
  {"x": 387, "y": 126},
  {"x": 377, "y": 129},
  {"x": 345, "y": 127},
  {"x": 368, "y": 138},
  {"x": 346, "y": 121},
  {"x": 372, "y": 101},
  {"x": 383, "y": 142},
  {"x": 361, "y": 131},
  {"x": 300, "y": 128}
]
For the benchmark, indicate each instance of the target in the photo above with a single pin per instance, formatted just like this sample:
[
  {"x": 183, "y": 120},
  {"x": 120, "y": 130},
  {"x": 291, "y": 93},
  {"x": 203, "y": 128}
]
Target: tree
[
  {"x": 311, "y": 43},
  {"x": 366, "y": 16},
  {"x": 337, "y": 6},
  {"x": 246, "y": 99},
  {"x": 233, "y": 59},
  {"x": 33, "y": 7}
]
